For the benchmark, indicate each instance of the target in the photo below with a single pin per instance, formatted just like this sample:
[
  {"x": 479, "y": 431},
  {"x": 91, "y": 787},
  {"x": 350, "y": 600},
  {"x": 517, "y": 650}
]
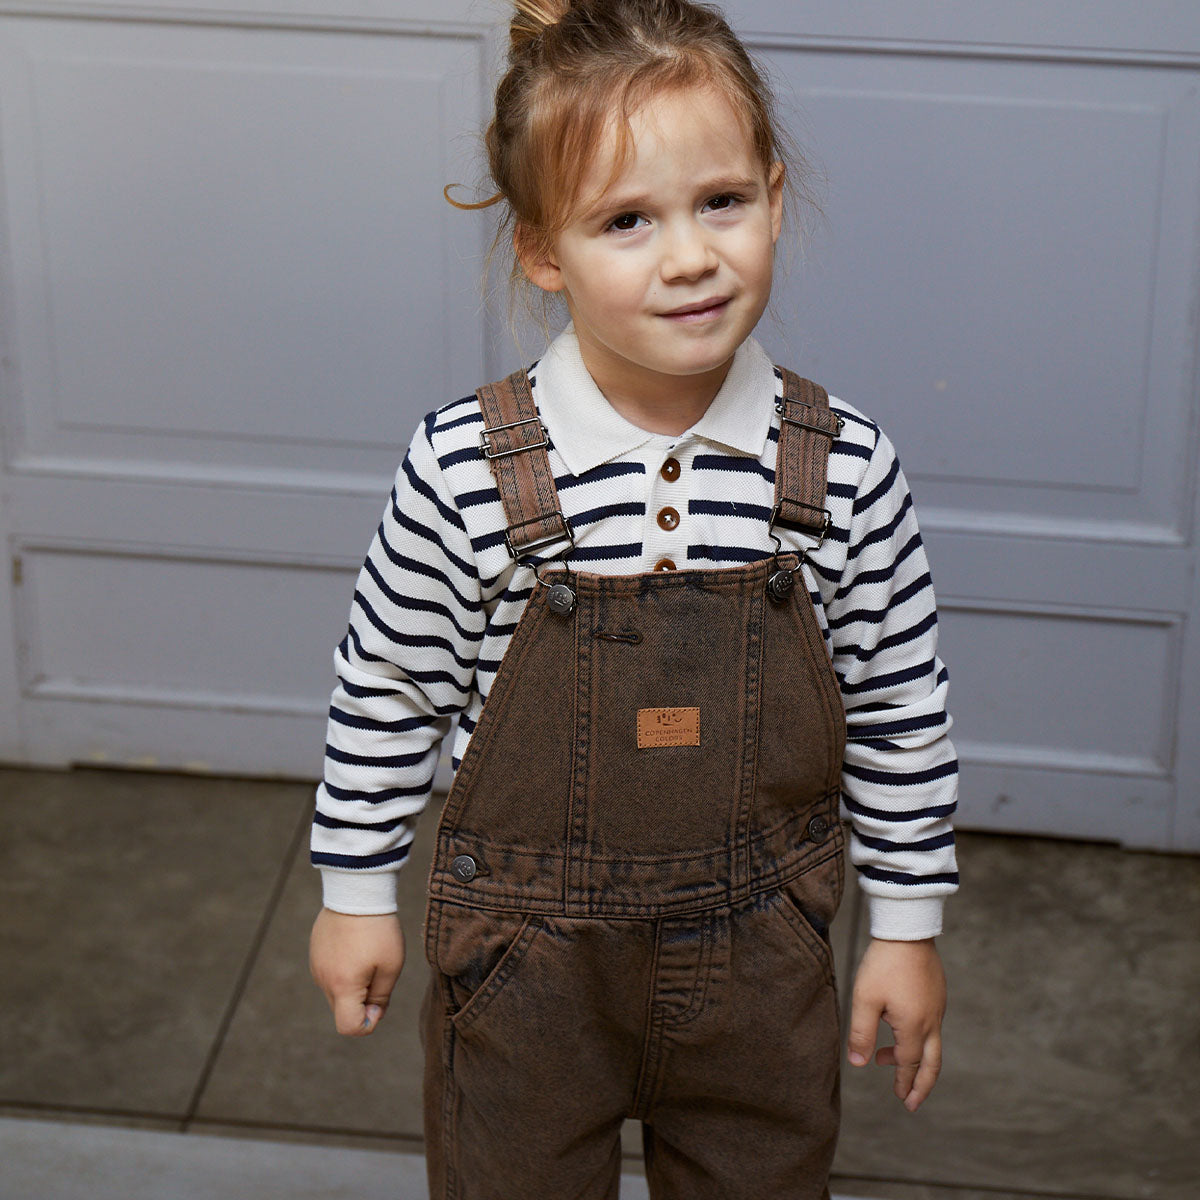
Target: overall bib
[{"x": 636, "y": 869}]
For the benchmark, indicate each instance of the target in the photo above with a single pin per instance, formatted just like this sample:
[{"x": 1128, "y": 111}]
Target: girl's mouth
[{"x": 703, "y": 310}]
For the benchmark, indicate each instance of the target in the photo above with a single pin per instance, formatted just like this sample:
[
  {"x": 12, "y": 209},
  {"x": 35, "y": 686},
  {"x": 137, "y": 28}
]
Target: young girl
[{"x": 674, "y": 604}]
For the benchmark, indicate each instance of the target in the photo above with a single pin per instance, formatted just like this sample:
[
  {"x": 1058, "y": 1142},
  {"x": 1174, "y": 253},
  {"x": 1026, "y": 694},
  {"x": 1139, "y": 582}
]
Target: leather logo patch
[{"x": 668, "y": 727}]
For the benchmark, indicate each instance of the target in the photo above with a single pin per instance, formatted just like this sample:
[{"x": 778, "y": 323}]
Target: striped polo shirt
[{"x": 439, "y": 597}]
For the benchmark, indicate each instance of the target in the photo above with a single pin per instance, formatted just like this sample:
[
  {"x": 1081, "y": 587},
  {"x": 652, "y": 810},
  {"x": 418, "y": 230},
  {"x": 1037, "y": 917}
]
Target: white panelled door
[{"x": 230, "y": 286}]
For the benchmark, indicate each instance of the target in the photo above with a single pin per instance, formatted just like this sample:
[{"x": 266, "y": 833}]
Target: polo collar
[{"x": 587, "y": 431}]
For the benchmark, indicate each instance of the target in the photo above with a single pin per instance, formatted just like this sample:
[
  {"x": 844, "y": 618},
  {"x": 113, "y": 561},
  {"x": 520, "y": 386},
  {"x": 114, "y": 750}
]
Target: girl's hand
[
  {"x": 356, "y": 962},
  {"x": 904, "y": 984}
]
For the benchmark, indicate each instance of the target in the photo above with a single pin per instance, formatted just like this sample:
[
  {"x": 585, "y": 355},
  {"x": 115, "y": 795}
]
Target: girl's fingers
[
  {"x": 349, "y": 1013},
  {"x": 913, "y": 1080},
  {"x": 926, "y": 1077}
]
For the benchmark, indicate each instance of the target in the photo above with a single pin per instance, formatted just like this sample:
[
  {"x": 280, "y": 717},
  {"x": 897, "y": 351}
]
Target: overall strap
[
  {"x": 514, "y": 441},
  {"x": 807, "y": 429}
]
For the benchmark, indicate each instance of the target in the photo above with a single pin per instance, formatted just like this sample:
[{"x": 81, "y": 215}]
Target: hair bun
[{"x": 533, "y": 18}]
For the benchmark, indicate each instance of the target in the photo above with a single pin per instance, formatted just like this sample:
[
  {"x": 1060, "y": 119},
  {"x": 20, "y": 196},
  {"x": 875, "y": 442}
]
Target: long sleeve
[
  {"x": 900, "y": 769},
  {"x": 405, "y": 669}
]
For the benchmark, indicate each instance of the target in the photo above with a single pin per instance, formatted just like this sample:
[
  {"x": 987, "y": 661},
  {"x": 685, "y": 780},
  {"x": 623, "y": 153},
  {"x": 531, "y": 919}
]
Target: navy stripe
[
  {"x": 944, "y": 770},
  {"x": 841, "y": 449},
  {"x": 423, "y": 489},
  {"x": 897, "y": 639},
  {"x": 327, "y": 822},
  {"x": 881, "y": 489},
  {"x": 413, "y": 641},
  {"x": 932, "y": 813},
  {"x": 605, "y": 471},
  {"x": 487, "y": 541},
  {"x": 722, "y": 554},
  {"x": 447, "y": 410},
  {"x": 605, "y": 553},
  {"x": 880, "y": 683},
  {"x": 883, "y": 533},
  {"x": 405, "y": 563},
  {"x": 360, "y": 651},
  {"x": 887, "y": 846},
  {"x": 382, "y": 796},
  {"x": 360, "y": 862},
  {"x": 883, "y": 574},
  {"x": 854, "y": 419},
  {"x": 893, "y": 728},
  {"x": 740, "y": 466},
  {"x": 478, "y": 496},
  {"x": 875, "y": 615},
  {"x": 455, "y": 458},
  {"x": 388, "y": 761},
  {"x": 429, "y": 677},
  {"x": 592, "y": 515},
  {"x": 406, "y": 725},
  {"x": 365, "y": 693},
  {"x": 881, "y": 876},
  {"x": 418, "y": 530},
  {"x": 475, "y": 418},
  {"x": 730, "y": 508},
  {"x": 413, "y": 604}
]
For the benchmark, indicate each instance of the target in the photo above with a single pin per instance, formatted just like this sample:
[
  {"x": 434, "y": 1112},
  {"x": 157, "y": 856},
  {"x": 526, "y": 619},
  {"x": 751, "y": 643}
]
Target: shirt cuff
[
  {"x": 899, "y": 920},
  {"x": 359, "y": 893}
]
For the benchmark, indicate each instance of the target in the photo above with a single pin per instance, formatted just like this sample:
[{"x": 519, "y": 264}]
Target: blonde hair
[{"x": 574, "y": 65}]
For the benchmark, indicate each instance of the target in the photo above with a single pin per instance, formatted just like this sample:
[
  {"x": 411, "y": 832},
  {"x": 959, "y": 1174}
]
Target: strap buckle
[
  {"x": 819, "y": 534},
  {"x": 831, "y": 434},
  {"x": 489, "y": 451},
  {"x": 527, "y": 551}
]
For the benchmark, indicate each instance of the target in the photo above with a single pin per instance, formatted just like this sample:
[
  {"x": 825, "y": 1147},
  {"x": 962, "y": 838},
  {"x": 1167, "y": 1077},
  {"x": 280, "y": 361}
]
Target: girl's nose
[{"x": 686, "y": 254}]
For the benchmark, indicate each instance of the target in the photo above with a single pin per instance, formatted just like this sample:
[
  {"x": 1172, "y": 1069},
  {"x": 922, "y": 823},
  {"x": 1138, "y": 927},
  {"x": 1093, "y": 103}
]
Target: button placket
[{"x": 667, "y": 504}]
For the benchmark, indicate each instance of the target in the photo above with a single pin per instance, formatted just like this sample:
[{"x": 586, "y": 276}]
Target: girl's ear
[
  {"x": 775, "y": 196},
  {"x": 537, "y": 263}
]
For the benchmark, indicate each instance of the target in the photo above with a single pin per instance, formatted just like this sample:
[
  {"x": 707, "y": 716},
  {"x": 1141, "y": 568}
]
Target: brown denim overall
[{"x": 637, "y": 867}]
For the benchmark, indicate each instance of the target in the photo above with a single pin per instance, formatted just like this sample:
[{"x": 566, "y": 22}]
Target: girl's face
[{"x": 667, "y": 268}]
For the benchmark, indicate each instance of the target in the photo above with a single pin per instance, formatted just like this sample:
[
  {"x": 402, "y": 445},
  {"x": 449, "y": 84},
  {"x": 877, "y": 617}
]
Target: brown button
[
  {"x": 664, "y": 564},
  {"x": 670, "y": 470},
  {"x": 668, "y": 519}
]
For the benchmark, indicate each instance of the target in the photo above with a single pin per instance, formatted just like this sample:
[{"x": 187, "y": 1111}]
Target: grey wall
[{"x": 229, "y": 286}]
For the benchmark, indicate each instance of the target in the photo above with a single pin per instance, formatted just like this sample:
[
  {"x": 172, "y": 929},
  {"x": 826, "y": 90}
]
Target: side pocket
[
  {"x": 810, "y": 931},
  {"x": 476, "y": 952},
  {"x": 500, "y": 975}
]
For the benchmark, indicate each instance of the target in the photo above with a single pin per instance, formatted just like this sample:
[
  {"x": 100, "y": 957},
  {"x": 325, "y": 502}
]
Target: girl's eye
[
  {"x": 625, "y": 222},
  {"x": 723, "y": 201}
]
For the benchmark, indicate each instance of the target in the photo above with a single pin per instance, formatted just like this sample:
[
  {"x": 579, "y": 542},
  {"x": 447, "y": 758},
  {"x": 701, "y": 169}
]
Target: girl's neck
[{"x": 657, "y": 403}]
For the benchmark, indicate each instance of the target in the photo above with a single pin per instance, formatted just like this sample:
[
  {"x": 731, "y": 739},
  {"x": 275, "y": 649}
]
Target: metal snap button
[
  {"x": 780, "y": 584},
  {"x": 818, "y": 827},
  {"x": 560, "y": 599},
  {"x": 668, "y": 519},
  {"x": 463, "y": 868},
  {"x": 670, "y": 470}
]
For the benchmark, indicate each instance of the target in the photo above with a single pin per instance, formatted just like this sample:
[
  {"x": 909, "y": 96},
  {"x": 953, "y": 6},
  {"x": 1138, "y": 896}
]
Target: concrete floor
[{"x": 153, "y": 983}]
